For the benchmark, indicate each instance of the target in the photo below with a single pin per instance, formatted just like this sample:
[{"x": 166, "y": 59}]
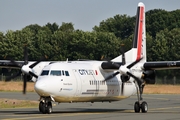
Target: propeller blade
[
  {"x": 37, "y": 62},
  {"x": 34, "y": 64},
  {"x": 123, "y": 55},
  {"x": 111, "y": 76},
  {"x": 122, "y": 88},
  {"x": 13, "y": 76},
  {"x": 24, "y": 83},
  {"x": 25, "y": 55},
  {"x": 34, "y": 75},
  {"x": 133, "y": 63}
]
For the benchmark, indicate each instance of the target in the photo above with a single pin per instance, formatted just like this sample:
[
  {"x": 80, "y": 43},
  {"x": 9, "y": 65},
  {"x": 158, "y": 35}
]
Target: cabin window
[
  {"x": 55, "y": 73},
  {"x": 45, "y": 72}
]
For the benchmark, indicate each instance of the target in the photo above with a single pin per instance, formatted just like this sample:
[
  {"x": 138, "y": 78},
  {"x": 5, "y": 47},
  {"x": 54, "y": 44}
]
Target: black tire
[
  {"x": 137, "y": 107},
  {"x": 43, "y": 109},
  {"x": 49, "y": 108},
  {"x": 40, "y": 106},
  {"x": 144, "y": 107}
]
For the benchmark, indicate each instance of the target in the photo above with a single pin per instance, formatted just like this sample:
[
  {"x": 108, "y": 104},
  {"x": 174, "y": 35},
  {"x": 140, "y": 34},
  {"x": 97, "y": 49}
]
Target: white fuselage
[{"x": 81, "y": 81}]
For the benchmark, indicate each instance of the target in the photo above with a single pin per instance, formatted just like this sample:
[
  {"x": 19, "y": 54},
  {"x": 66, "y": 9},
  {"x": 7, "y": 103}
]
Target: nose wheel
[{"x": 45, "y": 107}]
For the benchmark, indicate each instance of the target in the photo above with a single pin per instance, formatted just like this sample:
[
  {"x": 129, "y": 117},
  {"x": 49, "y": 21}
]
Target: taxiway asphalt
[{"x": 161, "y": 107}]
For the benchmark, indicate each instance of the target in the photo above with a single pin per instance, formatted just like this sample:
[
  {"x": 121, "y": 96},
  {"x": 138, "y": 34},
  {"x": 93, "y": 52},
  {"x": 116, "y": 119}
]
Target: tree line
[{"x": 59, "y": 42}]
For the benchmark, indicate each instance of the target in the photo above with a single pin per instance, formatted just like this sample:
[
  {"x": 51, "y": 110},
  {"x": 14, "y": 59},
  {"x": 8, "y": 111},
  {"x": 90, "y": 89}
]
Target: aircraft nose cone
[{"x": 40, "y": 88}]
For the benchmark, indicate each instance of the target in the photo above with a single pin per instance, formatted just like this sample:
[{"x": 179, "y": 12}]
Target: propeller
[
  {"x": 25, "y": 69},
  {"x": 124, "y": 70}
]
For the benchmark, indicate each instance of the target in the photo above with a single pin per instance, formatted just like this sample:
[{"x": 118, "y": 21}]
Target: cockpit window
[
  {"x": 67, "y": 73},
  {"x": 45, "y": 72},
  {"x": 63, "y": 72},
  {"x": 55, "y": 73}
]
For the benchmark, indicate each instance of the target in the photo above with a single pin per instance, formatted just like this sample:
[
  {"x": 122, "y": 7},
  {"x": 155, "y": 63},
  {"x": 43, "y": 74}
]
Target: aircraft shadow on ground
[
  {"x": 89, "y": 110},
  {"x": 69, "y": 110},
  {"x": 85, "y": 110}
]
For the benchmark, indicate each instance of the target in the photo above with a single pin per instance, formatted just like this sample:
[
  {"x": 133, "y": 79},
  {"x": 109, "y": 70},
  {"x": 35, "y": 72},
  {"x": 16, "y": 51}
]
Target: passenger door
[{"x": 78, "y": 83}]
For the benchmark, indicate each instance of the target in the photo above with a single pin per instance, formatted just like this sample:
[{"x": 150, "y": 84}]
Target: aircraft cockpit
[{"x": 55, "y": 73}]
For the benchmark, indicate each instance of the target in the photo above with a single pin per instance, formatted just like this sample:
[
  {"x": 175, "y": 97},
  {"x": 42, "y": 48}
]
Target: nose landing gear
[{"x": 45, "y": 107}]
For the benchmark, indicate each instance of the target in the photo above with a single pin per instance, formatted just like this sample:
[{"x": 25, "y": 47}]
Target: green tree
[
  {"x": 121, "y": 25},
  {"x": 43, "y": 42},
  {"x": 158, "y": 19},
  {"x": 66, "y": 27},
  {"x": 53, "y": 27},
  {"x": 10, "y": 46}
]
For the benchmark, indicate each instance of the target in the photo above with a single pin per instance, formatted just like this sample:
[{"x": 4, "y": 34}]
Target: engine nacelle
[{"x": 149, "y": 76}]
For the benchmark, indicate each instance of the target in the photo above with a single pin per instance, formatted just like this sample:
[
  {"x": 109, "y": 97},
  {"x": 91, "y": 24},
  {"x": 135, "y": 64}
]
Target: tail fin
[{"x": 139, "y": 42}]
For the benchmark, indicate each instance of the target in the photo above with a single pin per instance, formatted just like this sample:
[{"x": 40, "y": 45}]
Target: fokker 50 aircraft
[{"x": 96, "y": 81}]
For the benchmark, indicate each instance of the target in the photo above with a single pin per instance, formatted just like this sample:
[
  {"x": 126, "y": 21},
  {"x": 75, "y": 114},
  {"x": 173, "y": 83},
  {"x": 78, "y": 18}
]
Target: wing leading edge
[
  {"x": 8, "y": 64},
  {"x": 161, "y": 65}
]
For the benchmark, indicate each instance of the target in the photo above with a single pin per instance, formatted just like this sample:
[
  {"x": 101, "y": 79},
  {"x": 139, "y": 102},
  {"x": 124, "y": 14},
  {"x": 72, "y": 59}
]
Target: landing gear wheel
[
  {"x": 49, "y": 108},
  {"x": 43, "y": 108},
  {"x": 144, "y": 107},
  {"x": 40, "y": 106},
  {"x": 137, "y": 107}
]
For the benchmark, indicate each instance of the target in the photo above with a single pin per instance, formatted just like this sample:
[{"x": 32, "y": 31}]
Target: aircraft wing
[
  {"x": 8, "y": 64},
  {"x": 111, "y": 65},
  {"x": 160, "y": 65}
]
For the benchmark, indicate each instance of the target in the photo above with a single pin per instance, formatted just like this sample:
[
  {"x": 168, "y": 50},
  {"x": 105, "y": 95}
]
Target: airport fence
[{"x": 18, "y": 78}]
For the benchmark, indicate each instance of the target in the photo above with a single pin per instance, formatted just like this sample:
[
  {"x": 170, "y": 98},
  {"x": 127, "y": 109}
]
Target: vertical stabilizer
[{"x": 139, "y": 41}]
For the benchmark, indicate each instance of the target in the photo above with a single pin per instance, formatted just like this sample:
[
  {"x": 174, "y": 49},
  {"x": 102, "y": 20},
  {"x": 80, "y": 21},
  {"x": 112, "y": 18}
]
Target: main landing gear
[
  {"x": 140, "y": 105},
  {"x": 45, "y": 106}
]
